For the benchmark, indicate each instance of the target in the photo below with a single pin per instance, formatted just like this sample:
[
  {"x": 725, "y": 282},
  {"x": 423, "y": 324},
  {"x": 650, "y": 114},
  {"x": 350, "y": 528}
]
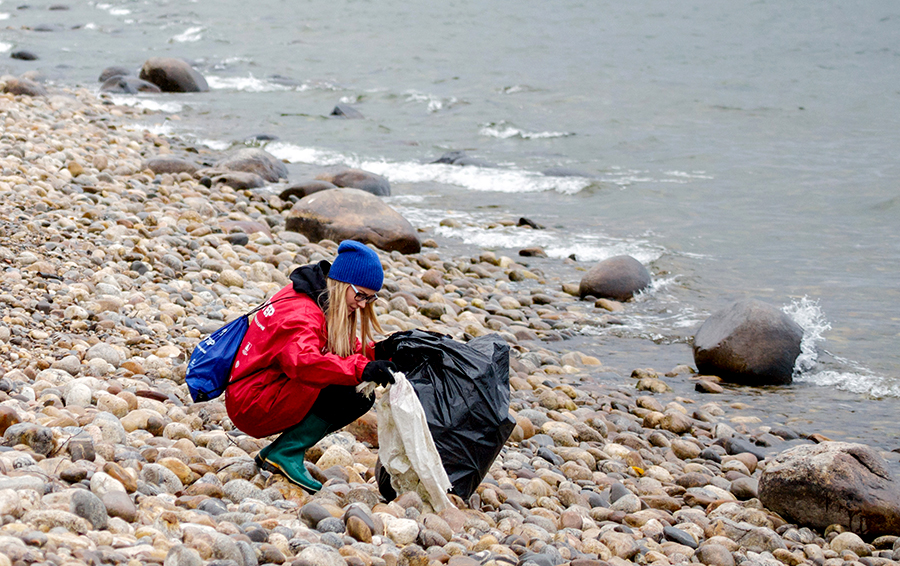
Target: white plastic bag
[{"x": 405, "y": 446}]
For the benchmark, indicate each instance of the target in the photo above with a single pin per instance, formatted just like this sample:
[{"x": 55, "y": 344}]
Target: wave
[
  {"x": 4, "y": 47},
  {"x": 849, "y": 375},
  {"x": 4, "y": 16},
  {"x": 253, "y": 84},
  {"x": 435, "y": 103},
  {"x": 189, "y": 35},
  {"x": 504, "y": 131},
  {"x": 149, "y": 104}
]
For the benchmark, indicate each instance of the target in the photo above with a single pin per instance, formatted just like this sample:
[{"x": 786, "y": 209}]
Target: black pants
[{"x": 340, "y": 405}]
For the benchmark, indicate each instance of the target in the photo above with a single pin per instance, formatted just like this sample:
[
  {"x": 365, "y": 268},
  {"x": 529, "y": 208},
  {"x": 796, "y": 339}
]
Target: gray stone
[
  {"x": 105, "y": 352},
  {"x": 749, "y": 342},
  {"x": 38, "y": 438},
  {"x": 833, "y": 483},
  {"x": 352, "y": 214},
  {"x": 119, "y": 504},
  {"x": 237, "y": 490},
  {"x": 173, "y": 75},
  {"x": 256, "y": 161},
  {"x": 362, "y": 180},
  {"x": 618, "y": 278},
  {"x": 180, "y": 555},
  {"x": 88, "y": 506},
  {"x": 160, "y": 476}
]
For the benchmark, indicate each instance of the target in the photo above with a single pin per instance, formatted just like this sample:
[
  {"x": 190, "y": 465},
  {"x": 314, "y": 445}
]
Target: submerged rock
[
  {"x": 617, "y": 278},
  {"x": 173, "y": 75}
]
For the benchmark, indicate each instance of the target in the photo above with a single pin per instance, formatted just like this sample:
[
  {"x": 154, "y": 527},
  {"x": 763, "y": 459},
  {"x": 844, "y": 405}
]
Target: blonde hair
[{"x": 342, "y": 324}]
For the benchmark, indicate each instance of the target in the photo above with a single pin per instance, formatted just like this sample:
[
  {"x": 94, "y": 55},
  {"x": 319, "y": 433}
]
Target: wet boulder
[
  {"x": 305, "y": 188},
  {"x": 23, "y": 87},
  {"x": 257, "y": 161},
  {"x": 352, "y": 214},
  {"x": 123, "y": 84},
  {"x": 833, "y": 483},
  {"x": 750, "y": 343},
  {"x": 358, "y": 179},
  {"x": 163, "y": 164},
  {"x": 173, "y": 75},
  {"x": 617, "y": 278},
  {"x": 23, "y": 55},
  {"x": 346, "y": 111}
]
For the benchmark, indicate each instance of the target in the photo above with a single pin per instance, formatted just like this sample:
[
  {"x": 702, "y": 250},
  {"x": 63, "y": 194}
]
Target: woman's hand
[{"x": 379, "y": 372}]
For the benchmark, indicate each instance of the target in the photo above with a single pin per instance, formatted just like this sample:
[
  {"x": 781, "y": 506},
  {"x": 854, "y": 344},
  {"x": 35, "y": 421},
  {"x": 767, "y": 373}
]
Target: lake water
[{"x": 737, "y": 150}]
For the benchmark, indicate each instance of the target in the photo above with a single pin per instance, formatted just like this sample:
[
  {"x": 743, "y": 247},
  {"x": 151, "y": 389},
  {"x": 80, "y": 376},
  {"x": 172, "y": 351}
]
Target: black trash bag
[{"x": 464, "y": 390}]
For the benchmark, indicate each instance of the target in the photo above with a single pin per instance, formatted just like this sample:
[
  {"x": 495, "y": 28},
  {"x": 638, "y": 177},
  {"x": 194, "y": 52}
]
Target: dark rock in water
[
  {"x": 173, "y": 75},
  {"x": 532, "y": 252},
  {"x": 23, "y": 55},
  {"x": 114, "y": 71},
  {"x": 750, "y": 342},
  {"x": 833, "y": 483},
  {"x": 127, "y": 85},
  {"x": 24, "y": 87},
  {"x": 564, "y": 172},
  {"x": 167, "y": 164},
  {"x": 347, "y": 111},
  {"x": 450, "y": 157},
  {"x": 47, "y": 27},
  {"x": 342, "y": 214},
  {"x": 58, "y": 7},
  {"x": 257, "y": 161},
  {"x": 617, "y": 278},
  {"x": 362, "y": 180},
  {"x": 530, "y": 223},
  {"x": 460, "y": 158},
  {"x": 263, "y": 137},
  {"x": 240, "y": 181},
  {"x": 305, "y": 188}
]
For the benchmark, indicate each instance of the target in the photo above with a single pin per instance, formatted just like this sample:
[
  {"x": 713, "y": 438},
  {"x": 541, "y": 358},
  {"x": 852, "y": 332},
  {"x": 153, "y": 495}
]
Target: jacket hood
[{"x": 311, "y": 281}]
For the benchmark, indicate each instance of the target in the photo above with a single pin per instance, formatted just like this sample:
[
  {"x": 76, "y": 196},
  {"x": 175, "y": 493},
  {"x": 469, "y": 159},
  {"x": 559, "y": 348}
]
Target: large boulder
[
  {"x": 833, "y": 483},
  {"x": 173, "y": 75},
  {"x": 305, "y": 188},
  {"x": 255, "y": 160},
  {"x": 750, "y": 343},
  {"x": 114, "y": 71},
  {"x": 352, "y": 214},
  {"x": 358, "y": 179},
  {"x": 617, "y": 278},
  {"x": 23, "y": 87}
]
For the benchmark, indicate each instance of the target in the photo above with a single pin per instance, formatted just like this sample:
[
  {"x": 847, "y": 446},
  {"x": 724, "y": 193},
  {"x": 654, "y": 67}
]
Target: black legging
[{"x": 340, "y": 405}]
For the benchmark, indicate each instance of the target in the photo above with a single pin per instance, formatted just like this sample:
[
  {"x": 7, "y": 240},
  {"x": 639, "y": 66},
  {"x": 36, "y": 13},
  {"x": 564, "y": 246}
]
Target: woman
[{"x": 301, "y": 360}]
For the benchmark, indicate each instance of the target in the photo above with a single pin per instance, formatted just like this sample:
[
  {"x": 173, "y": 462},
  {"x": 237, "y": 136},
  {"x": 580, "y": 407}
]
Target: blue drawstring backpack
[{"x": 209, "y": 369}]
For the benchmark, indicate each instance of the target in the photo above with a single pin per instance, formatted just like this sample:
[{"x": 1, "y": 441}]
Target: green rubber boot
[{"x": 285, "y": 455}]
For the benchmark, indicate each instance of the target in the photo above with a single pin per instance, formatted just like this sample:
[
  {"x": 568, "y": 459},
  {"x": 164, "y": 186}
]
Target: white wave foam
[
  {"x": 245, "y": 84},
  {"x": 504, "y": 131},
  {"x": 119, "y": 11},
  {"x": 149, "y": 104},
  {"x": 297, "y": 154},
  {"x": 163, "y": 129},
  {"x": 863, "y": 383},
  {"x": 4, "y": 47},
  {"x": 217, "y": 145},
  {"x": 435, "y": 103},
  {"x": 691, "y": 175},
  {"x": 807, "y": 313},
  {"x": 189, "y": 35},
  {"x": 476, "y": 178},
  {"x": 4, "y": 16}
]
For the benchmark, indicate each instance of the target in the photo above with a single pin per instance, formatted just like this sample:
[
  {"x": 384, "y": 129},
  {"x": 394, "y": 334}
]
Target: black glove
[
  {"x": 379, "y": 372},
  {"x": 385, "y": 349}
]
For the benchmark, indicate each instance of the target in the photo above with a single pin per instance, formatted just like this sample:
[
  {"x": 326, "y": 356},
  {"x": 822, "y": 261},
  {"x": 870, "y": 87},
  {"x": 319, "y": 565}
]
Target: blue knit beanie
[{"x": 358, "y": 265}]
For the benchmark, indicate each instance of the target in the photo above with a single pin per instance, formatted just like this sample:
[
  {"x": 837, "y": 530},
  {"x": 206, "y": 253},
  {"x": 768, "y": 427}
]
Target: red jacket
[{"x": 288, "y": 338}]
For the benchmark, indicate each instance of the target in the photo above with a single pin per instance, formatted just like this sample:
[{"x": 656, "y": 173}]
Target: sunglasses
[{"x": 360, "y": 296}]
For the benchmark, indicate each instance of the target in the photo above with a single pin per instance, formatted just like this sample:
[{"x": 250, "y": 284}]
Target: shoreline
[{"x": 114, "y": 274}]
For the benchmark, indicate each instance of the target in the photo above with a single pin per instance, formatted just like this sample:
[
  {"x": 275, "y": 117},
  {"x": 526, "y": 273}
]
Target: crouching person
[{"x": 302, "y": 358}]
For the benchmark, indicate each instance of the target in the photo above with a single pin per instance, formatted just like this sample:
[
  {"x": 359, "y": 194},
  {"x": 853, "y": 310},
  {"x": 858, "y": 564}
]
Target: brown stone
[{"x": 8, "y": 417}]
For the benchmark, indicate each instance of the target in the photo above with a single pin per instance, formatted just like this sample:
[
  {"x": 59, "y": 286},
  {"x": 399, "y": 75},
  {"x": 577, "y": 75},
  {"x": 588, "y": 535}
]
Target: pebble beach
[{"x": 113, "y": 273}]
